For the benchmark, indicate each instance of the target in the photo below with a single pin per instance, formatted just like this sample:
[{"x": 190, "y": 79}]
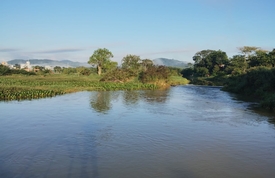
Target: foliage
[
  {"x": 69, "y": 70},
  {"x": 19, "y": 93},
  {"x": 145, "y": 63},
  {"x": 4, "y": 70},
  {"x": 99, "y": 58},
  {"x": 118, "y": 75},
  {"x": 26, "y": 87},
  {"x": 237, "y": 65},
  {"x": 268, "y": 102},
  {"x": 57, "y": 69},
  {"x": 258, "y": 82},
  {"x": 175, "y": 71},
  {"x": 154, "y": 73},
  {"x": 178, "y": 80},
  {"x": 210, "y": 62},
  {"x": 248, "y": 50},
  {"x": 261, "y": 58},
  {"x": 109, "y": 65},
  {"x": 83, "y": 71},
  {"x": 131, "y": 62},
  {"x": 187, "y": 72}
]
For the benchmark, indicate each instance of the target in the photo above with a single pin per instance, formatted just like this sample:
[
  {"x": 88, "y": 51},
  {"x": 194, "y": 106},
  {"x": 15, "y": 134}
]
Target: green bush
[
  {"x": 258, "y": 82},
  {"x": 4, "y": 70},
  {"x": 119, "y": 75},
  {"x": 154, "y": 74}
]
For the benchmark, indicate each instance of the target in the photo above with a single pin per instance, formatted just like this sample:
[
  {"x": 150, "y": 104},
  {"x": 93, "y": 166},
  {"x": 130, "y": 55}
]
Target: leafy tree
[
  {"x": 248, "y": 50},
  {"x": 218, "y": 62},
  {"x": 146, "y": 63},
  {"x": 261, "y": 58},
  {"x": 200, "y": 57},
  {"x": 131, "y": 62},
  {"x": 155, "y": 74},
  {"x": 109, "y": 65},
  {"x": 237, "y": 65},
  {"x": 118, "y": 75},
  {"x": 187, "y": 72},
  {"x": 57, "y": 69},
  {"x": 210, "y": 62},
  {"x": 202, "y": 71},
  {"x": 99, "y": 58},
  {"x": 189, "y": 65}
]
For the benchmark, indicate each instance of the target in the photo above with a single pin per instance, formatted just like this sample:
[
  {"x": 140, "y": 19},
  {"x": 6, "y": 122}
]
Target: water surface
[{"x": 187, "y": 131}]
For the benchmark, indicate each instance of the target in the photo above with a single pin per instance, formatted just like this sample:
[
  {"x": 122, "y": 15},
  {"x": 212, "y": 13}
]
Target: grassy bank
[
  {"x": 210, "y": 81},
  {"x": 17, "y": 87},
  {"x": 258, "y": 83}
]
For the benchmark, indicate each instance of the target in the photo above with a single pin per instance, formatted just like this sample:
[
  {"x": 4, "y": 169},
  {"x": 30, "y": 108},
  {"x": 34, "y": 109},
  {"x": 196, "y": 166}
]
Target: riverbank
[
  {"x": 18, "y": 87},
  {"x": 257, "y": 83}
]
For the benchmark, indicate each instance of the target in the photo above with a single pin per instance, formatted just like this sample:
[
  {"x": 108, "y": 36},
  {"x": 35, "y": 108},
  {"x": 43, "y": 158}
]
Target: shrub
[
  {"x": 4, "y": 70},
  {"x": 119, "y": 75},
  {"x": 154, "y": 74}
]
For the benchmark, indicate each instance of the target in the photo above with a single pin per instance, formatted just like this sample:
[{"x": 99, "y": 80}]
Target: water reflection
[
  {"x": 157, "y": 96},
  {"x": 100, "y": 101},
  {"x": 131, "y": 97},
  {"x": 180, "y": 132}
]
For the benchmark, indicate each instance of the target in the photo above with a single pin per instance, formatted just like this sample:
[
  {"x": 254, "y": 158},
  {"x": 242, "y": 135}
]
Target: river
[{"x": 186, "y": 131}]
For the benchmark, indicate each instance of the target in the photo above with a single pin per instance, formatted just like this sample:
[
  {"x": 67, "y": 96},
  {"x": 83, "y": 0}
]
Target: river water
[{"x": 186, "y": 131}]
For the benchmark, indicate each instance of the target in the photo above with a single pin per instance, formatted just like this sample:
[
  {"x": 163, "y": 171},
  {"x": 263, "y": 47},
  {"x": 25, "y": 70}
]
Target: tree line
[
  {"x": 251, "y": 73},
  {"x": 216, "y": 62},
  {"x": 132, "y": 66}
]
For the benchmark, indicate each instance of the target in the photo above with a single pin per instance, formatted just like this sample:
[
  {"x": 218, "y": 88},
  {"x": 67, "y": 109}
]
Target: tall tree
[
  {"x": 248, "y": 51},
  {"x": 99, "y": 58},
  {"x": 109, "y": 65},
  {"x": 199, "y": 57},
  {"x": 261, "y": 58},
  {"x": 146, "y": 63},
  {"x": 132, "y": 62},
  {"x": 237, "y": 65},
  {"x": 209, "y": 62}
]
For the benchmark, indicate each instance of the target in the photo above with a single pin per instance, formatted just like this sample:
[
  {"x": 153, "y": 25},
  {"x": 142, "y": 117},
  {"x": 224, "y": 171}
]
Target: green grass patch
[{"x": 17, "y": 87}]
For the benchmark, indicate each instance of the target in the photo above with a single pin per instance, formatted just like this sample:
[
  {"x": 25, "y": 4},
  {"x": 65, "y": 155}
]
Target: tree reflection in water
[
  {"x": 100, "y": 101},
  {"x": 158, "y": 96},
  {"x": 131, "y": 97}
]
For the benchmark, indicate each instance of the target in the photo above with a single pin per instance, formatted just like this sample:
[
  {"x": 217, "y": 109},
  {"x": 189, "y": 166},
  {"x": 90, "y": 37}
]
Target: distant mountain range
[
  {"x": 170, "y": 62},
  {"x": 68, "y": 63},
  {"x": 48, "y": 62}
]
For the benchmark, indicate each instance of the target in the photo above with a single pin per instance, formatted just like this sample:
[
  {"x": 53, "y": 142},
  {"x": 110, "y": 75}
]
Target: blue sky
[{"x": 175, "y": 29}]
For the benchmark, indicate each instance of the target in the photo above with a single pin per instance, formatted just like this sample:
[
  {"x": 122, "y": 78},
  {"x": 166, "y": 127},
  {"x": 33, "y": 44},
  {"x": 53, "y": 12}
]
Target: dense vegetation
[
  {"x": 19, "y": 87},
  {"x": 251, "y": 74},
  {"x": 134, "y": 74},
  {"x": 4, "y": 70}
]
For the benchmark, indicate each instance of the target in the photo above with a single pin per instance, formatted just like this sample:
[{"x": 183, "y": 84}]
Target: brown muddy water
[{"x": 186, "y": 131}]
